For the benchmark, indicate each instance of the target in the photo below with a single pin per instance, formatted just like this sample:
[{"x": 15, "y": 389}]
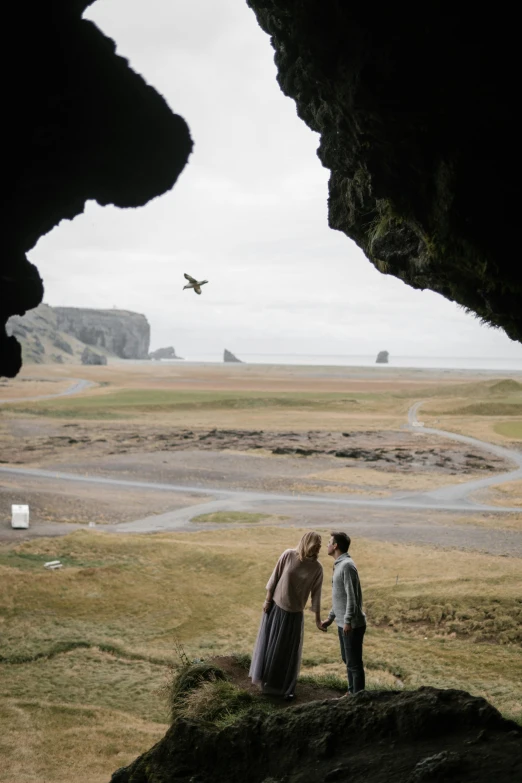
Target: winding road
[
  {"x": 77, "y": 385},
  {"x": 449, "y": 498},
  {"x": 452, "y": 498}
]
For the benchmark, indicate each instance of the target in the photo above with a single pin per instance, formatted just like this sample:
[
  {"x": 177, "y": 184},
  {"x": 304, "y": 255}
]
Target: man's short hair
[{"x": 342, "y": 540}]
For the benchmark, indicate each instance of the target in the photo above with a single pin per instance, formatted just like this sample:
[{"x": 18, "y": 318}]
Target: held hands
[
  {"x": 324, "y": 624},
  {"x": 320, "y": 624}
]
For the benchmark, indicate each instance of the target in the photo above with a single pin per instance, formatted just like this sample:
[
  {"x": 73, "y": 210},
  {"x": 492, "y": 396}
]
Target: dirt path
[{"x": 77, "y": 386}]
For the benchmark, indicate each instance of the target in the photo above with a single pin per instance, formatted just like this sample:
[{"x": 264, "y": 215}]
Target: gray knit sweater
[{"x": 347, "y": 603}]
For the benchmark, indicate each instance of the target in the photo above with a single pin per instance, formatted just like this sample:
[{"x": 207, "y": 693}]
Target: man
[{"x": 347, "y": 610}]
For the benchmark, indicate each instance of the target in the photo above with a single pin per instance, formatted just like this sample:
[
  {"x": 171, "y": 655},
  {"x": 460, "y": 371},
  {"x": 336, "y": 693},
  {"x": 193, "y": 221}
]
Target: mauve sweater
[{"x": 293, "y": 580}]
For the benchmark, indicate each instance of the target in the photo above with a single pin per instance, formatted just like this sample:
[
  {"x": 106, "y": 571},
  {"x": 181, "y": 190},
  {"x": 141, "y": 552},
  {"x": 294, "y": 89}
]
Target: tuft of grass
[
  {"x": 218, "y": 702},
  {"x": 242, "y": 659},
  {"x": 190, "y": 677},
  {"x": 332, "y": 681}
]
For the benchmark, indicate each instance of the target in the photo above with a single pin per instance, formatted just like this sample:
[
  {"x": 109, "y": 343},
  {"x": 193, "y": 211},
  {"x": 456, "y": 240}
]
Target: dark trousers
[{"x": 351, "y": 651}]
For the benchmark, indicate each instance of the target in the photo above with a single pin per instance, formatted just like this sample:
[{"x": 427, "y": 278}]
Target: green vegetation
[
  {"x": 220, "y": 703},
  {"x": 487, "y": 409},
  {"x": 488, "y": 398},
  {"x": 332, "y": 681},
  {"x": 234, "y": 517},
  {"x": 510, "y": 429},
  {"x": 202, "y": 691},
  {"x": 130, "y": 402},
  {"x": 31, "y": 561}
]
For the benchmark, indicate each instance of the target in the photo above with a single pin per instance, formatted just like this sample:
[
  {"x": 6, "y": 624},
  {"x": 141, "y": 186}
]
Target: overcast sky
[{"x": 248, "y": 213}]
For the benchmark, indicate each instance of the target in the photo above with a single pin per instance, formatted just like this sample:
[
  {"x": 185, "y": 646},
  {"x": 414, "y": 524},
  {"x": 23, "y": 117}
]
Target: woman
[{"x": 276, "y": 659}]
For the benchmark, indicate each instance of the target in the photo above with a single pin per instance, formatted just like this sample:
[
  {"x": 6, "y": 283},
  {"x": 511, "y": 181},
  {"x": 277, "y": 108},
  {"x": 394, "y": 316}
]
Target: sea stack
[
  {"x": 382, "y": 357},
  {"x": 164, "y": 353},
  {"x": 229, "y": 357}
]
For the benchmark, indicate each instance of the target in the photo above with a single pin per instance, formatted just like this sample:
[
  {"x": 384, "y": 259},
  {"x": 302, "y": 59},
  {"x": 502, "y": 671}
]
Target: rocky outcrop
[
  {"x": 421, "y": 145},
  {"x": 382, "y": 357},
  {"x": 62, "y": 345},
  {"x": 374, "y": 737},
  {"x": 43, "y": 341},
  {"x": 80, "y": 125},
  {"x": 90, "y": 357},
  {"x": 164, "y": 353},
  {"x": 228, "y": 356},
  {"x": 121, "y": 332},
  {"x": 40, "y": 338}
]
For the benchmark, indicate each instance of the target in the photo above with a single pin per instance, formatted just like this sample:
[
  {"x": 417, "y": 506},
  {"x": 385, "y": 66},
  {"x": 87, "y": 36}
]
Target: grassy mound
[{"x": 507, "y": 386}]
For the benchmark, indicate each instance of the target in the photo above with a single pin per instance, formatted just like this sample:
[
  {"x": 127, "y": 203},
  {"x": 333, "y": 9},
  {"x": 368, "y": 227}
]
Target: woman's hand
[
  {"x": 267, "y": 606},
  {"x": 320, "y": 624}
]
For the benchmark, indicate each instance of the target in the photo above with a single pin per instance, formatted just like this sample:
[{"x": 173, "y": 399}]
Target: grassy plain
[
  {"x": 87, "y": 651},
  {"x": 489, "y": 410},
  {"x": 228, "y": 396}
]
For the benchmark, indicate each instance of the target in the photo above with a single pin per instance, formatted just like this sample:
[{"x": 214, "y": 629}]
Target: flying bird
[{"x": 193, "y": 283}]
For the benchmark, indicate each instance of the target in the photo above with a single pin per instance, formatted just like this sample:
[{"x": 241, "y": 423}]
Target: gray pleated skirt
[{"x": 276, "y": 659}]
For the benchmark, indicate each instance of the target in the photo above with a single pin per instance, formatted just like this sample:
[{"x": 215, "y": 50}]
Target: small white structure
[
  {"x": 20, "y": 516},
  {"x": 52, "y": 565}
]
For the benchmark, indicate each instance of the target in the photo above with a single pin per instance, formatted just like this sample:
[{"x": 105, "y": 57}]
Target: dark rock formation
[
  {"x": 229, "y": 357},
  {"x": 122, "y": 333},
  {"x": 374, "y": 737},
  {"x": 164, "y": 353},
  {"x": 417, "y": 118},
  {"x": 80, "y": 124},
  {"x": 90, "y": 357},
  {"x": 382, "y": 357}
]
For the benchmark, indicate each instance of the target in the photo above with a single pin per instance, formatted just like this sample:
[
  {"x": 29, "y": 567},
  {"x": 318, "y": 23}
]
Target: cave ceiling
[
  {"x": 415, "y": 106},
  {"x": 81, "y": 125},
  {"x": 416, "y": 109}
]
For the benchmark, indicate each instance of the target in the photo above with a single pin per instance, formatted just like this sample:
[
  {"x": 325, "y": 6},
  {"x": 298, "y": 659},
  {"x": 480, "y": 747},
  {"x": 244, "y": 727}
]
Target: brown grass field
[{"x": 86, "y": 652}]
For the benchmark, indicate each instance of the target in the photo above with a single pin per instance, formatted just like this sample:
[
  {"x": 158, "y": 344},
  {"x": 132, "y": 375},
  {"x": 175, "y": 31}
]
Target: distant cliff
[
  {"x": 60, "y": 334},
  {"x": 121, "y": 332},
  {"x": 41, "y": 340}
]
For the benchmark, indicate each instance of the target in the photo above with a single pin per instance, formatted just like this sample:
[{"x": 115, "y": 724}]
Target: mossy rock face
[
  {"x": 420, "y": 151},
  {"x": 372, "y": 738}
]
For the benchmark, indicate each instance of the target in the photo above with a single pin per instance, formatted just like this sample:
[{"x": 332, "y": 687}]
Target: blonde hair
[{"x": 310, "y": 541}]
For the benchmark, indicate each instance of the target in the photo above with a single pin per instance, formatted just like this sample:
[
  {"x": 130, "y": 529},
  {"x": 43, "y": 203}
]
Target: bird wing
[
  {"x": 197, "y": 289},
  {"x": 189, "y": 278}
]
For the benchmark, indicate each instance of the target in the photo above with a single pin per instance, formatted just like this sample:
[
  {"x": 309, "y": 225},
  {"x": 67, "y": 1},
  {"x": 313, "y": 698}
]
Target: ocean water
[{"x": 493, "y": 364}]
